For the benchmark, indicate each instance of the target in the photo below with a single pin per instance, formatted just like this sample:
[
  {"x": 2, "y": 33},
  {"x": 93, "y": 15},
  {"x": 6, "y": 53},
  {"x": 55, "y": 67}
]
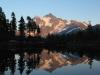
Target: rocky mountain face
[{"x": 50, "y": 24}]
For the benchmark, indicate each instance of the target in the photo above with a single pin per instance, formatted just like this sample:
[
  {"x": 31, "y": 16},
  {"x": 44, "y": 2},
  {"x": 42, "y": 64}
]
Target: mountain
[{"x": 51, "y": 24}]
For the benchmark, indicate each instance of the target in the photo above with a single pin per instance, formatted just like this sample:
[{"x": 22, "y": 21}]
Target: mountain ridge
[{"x": 51, "y": 24}]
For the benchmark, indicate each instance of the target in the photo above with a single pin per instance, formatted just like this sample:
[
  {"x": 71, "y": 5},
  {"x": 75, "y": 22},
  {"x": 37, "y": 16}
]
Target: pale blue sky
[{"x": 82, "y": 10}]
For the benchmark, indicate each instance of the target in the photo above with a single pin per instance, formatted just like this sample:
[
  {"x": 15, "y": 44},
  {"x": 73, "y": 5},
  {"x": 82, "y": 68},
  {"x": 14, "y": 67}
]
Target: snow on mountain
[
  {"x": 69, "y": 30},
  {"x": 50, "y": 24}
]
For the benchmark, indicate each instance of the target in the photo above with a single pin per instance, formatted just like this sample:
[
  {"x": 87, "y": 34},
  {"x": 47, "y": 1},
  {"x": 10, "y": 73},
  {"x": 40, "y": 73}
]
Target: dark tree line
[
  {"x": 88, "y": 37},
  {"x": 9, "y": 28}
]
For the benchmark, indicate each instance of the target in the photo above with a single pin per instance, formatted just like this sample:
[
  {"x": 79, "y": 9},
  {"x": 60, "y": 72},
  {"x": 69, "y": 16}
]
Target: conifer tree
[
  {"x": 3, "y": 25},
  {"x": 29, "y": 25},
  {"x": 22, "y": 27},
  {"x": 13, "y": 24}
]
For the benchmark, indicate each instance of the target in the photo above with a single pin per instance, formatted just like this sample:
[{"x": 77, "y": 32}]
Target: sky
[{"x": 81, "y": 10}]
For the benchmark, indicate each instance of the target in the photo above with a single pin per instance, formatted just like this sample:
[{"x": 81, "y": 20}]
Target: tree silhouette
[
  {"x": 89, "y": 27},
  {"x": 9, "y": 28},
  {"x": 34, "y": 27},
  {"x": 38, "y": 30},
  {"x": 22, "y": 27},
  {"x": 8, "y": 25},
  {"x": 31, "y": 26},
  {"x": 13, "y": 24},
  {"x": 3, "y": 25}
]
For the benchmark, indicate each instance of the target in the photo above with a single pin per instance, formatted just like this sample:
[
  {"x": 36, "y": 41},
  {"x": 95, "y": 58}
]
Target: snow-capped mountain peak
[{"x": 50, "y": 24}]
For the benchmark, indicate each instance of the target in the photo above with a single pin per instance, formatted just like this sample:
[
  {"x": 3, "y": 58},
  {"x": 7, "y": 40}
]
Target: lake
[{"x": 49, "y": 62}]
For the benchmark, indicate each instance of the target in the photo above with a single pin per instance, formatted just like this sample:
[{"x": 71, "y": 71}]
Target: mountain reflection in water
[{"x": 47, "y": 62}]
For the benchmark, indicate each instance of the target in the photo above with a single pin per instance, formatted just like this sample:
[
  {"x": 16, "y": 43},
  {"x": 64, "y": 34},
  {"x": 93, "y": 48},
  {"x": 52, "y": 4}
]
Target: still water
[{"x": 49, "y": 62}]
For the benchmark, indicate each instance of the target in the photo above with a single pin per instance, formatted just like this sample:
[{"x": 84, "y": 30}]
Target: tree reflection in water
[{"x": 45, "y": 59}]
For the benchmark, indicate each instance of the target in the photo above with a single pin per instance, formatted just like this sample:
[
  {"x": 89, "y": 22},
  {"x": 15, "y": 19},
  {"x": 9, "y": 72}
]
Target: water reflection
[{"x": 24, "y": 63}]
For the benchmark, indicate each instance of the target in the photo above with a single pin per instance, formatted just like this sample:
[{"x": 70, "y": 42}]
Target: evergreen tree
[
  {"x": 3, "y": 25},
  {"x": 29, "y": 25},
  {"x": 34, "y": 26},
  {"x": 38, "y": 29},
  {"x": 22, "y": 27},
  {"x": 8, "y": 27},
  {"x": 89, "y": 26},
  {"x": 13, "y": 25},
  {"x": 90, "y": 30},
  {"x": 1, "y": 20}
]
